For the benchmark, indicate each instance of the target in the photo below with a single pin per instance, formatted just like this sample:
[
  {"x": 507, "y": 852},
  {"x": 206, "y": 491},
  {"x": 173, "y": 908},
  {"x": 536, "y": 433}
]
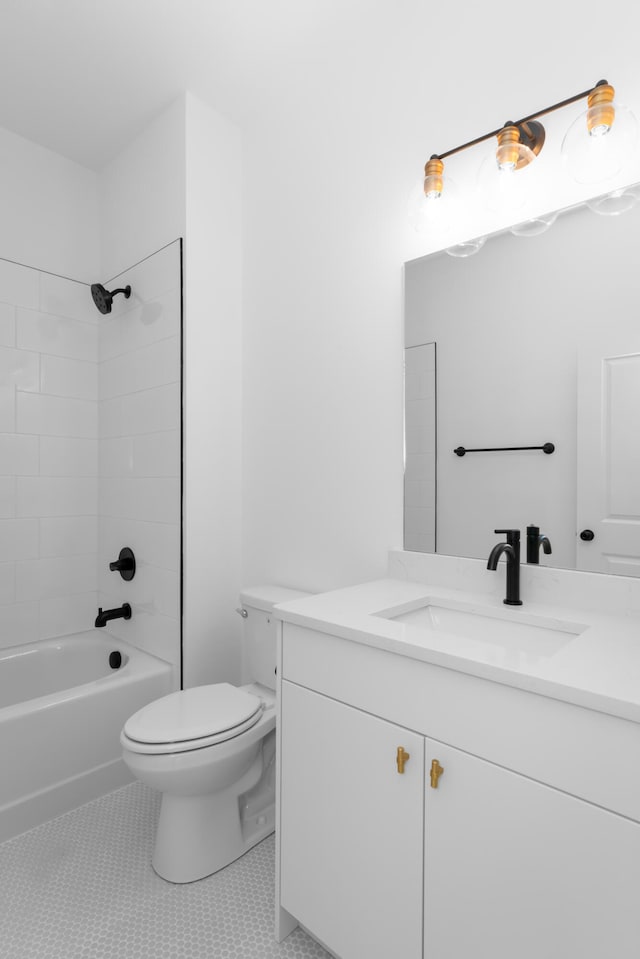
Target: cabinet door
[
  {"x": 516, "y": 869},
  {"x": 351, "y": 857}
]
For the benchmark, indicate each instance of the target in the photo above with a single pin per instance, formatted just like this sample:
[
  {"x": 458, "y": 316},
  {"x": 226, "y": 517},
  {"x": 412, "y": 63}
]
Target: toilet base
[{"x": 199, "y": 835}]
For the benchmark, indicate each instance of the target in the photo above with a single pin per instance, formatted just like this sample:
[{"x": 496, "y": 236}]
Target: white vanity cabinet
[
  {"x": 351, "y": 855},
  {"x": 528, "y": 846}
]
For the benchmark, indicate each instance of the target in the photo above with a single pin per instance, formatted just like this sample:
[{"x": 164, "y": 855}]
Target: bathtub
[{"x": 62, "y": 707}]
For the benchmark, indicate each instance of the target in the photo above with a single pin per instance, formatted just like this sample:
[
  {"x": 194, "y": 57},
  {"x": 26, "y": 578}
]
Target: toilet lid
[{"x": 192, "y": 714}]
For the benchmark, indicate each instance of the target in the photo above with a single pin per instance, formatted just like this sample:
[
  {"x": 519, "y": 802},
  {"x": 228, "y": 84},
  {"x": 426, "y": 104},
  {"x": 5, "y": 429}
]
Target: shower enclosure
[{"x": 90, "y": 462}]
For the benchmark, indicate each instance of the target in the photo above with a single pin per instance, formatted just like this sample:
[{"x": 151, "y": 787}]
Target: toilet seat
[{"x": 192, "y": 719}]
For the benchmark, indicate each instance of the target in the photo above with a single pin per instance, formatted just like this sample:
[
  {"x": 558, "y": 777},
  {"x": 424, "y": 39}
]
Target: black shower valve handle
[{"x": 125, "y": 564}]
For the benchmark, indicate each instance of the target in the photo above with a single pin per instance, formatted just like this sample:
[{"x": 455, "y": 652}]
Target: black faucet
[
  {"x": 535, "y": 540},
  {"x": 511, "y": 549},
  {"x": 104, "y": 615}
]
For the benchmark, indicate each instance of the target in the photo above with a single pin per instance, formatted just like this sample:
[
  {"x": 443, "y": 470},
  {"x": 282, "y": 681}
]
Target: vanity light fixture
[{"x": 596, "y": 147}]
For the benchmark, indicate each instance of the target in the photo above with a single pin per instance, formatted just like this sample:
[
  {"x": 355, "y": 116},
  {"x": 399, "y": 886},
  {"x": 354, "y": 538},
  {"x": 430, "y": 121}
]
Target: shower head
[{"x": 103, "y": 298}]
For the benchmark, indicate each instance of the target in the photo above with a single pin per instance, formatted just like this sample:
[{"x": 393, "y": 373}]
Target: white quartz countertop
[{"x": 592, "y": 661}]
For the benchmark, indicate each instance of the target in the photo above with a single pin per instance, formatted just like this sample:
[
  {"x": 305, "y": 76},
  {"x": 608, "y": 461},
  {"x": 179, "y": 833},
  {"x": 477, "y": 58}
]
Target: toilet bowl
[{"x": 210, "y": 751}]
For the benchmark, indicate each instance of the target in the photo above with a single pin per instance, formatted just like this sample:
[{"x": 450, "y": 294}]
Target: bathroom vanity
[{"x": 458, "y": 777}]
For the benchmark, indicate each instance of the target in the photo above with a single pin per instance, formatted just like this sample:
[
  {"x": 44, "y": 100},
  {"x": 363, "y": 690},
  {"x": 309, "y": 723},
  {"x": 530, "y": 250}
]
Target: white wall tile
[
  {"x": 157, "y": 454},
  {"x": 152, "y": 410},
  {"x": 152, "y": 588},
  {"x": 142, "y": 369},
  {"x": 149, "y": 278},
  {"x": 140, "y": 326},
  {"x": 7, "y": 324},
  {"x": 18, "y": 454},
  {"x": 7, "y": 409},
  {"x": 7, "y": 583},
  {"x": 110, "y": 337},
  {"x": 62, "y": 616},
  {"x": 57, "y": 496},
  {"x": 55, "y": 415},
  {"x": 147, "y": 412},
  {"x": 7, "y": 497},
  {"x": 147, "y": 629},
  {"x": 56, "y": 335},
  {"x": 152, "y": 454},
  {"x": 67, "y": 535},
  {"x": 20, "y": 367},
  {"x": 420, "y": 529},
  {"x": 418, "y": 494},
  {"x": 18, "y": 539},
  {"x": 18, "y": 624},
  {"x": 60, "y": 376},
  {"x": 49, "y": 578},
  {"x": 110, "y": 418},
  {"x": 150, "y": 500},
  {"x": 139, "y": 453},
  {"x": 68, "y": 456},
  {"x": 156, "y": 544},
  {"x": 116, "y": 456},
  {"x": 64, "y": 297},
  {"x": 18, "y": 285}
]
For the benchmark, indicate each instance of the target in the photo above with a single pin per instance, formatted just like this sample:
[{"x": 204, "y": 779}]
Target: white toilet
[{"x": 210, "y": 750}]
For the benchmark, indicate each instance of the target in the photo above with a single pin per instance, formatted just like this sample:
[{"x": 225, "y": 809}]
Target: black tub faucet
[
  {"x": 511, "y": 549},
  {"x": 104, "y": 615},
  {"x": 536, "y": 539}
]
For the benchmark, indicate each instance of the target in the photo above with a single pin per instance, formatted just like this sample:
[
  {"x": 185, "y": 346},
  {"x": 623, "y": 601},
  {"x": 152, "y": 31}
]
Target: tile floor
[{"x": 81, "y": 887}]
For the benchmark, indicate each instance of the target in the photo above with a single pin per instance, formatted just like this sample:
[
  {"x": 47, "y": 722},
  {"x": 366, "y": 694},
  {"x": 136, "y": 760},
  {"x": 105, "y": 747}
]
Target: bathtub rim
[{"x": 139, "y": 663}]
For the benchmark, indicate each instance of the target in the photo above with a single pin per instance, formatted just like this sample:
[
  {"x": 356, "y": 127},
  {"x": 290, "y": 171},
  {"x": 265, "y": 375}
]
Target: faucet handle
[{"x": 510, "y": 533}]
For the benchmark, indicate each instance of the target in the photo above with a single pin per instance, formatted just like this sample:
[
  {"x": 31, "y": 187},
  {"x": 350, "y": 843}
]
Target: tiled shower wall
[
  {"x": 90, "y": 454},
  {"x": 420, "y": 448},
  {"x": 48, "y": 455},
  {"x": 140, "y": 452}
]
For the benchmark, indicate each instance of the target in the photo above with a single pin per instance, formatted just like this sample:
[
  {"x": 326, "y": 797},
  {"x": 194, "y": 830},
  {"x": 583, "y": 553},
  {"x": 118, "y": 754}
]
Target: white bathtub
[{"x": 62, "y": 707}]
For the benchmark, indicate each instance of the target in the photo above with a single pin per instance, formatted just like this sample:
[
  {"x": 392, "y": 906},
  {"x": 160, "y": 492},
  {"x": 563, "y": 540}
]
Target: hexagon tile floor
[{"x": 81, "y": 887}]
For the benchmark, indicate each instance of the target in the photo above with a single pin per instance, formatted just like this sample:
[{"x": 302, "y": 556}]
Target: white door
[
  {"x": 517, "y": 870},
  {"x": 350, "y": 828},
  {"x": 608, "y": 462}
]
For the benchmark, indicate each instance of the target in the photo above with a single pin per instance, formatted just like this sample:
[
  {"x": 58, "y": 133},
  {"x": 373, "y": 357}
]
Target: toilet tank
[{"x": 259, "y": 637}]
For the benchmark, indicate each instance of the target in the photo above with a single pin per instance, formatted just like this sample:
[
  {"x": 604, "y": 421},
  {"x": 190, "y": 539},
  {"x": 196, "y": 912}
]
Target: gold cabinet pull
[
  {"x": 402, "y": 757},
  {"x": 436, "y": 772}
]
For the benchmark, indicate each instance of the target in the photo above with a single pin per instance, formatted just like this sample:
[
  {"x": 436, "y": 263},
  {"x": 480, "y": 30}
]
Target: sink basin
[{"x": 526, "y": 634}]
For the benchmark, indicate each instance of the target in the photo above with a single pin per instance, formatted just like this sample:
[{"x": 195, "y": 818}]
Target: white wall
[
  {"x": 49, "y": 209},
  {"x": 212, "y": 396},
  {"x": 142, "y": 193},
  {"x": 328, "y": 174}
]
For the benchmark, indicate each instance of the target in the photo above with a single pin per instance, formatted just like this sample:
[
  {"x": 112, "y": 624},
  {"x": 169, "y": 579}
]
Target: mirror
[{"x": 535, "y": 340}]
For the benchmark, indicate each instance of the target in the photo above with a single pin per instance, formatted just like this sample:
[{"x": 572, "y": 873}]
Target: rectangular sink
[{"x": 530, "y": 635}]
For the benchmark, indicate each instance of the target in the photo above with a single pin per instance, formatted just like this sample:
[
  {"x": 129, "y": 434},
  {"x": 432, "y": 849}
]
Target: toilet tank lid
[{"x": 266, "y": 597}]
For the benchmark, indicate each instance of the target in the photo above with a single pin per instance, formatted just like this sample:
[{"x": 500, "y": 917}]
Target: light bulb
[
  {"x": 434, "y": 205},
  {"x": 511, "y": 153},
  {"x": 600, "y": 142},
  {"x": 503, "y": 190}
]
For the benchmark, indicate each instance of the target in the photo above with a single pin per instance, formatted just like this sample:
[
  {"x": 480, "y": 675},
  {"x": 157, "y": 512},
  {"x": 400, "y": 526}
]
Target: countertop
[{"x": 597, "y": 667}]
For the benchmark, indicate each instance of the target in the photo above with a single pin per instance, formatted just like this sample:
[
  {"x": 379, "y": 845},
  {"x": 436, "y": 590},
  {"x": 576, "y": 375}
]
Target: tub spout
[{"x": 104, "y": 615}]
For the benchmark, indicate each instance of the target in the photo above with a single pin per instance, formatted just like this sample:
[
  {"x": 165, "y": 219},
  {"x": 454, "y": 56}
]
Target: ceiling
[{"x": 81, "y": 77}]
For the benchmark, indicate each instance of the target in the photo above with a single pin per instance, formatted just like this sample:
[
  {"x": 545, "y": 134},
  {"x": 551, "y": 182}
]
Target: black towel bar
[{"x": 547, "y": 448}]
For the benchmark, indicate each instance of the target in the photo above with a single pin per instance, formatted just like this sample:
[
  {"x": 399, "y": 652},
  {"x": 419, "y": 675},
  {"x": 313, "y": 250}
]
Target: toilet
[{"x": 210, "y": 751}]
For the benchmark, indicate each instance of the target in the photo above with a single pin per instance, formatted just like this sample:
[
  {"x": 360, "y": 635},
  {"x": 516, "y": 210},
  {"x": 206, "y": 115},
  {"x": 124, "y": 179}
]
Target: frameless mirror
[{"x": 532, "y": 343}]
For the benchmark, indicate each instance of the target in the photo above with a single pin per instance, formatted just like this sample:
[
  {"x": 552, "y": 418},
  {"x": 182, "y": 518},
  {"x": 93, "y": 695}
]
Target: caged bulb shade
[
  {"x": 434, "y": 201},
  {"x": 601, "y": 141}
]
